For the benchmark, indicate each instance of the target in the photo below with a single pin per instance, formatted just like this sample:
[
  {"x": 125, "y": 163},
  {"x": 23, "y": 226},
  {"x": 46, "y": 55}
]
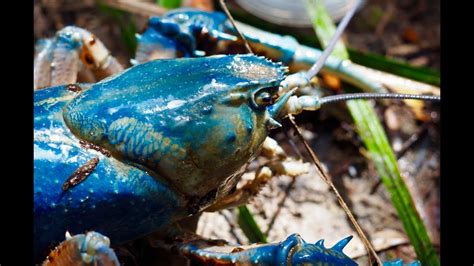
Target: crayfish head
[
  {"x": 239, "y": 119},
  {"x": 195, "y": 122}
]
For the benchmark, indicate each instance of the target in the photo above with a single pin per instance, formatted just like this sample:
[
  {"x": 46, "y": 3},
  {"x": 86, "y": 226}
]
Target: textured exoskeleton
[
  {"x": 189, "y": 32},
  {"x": 164, "y": 140},
  {"x": 138, "y": 151},
  {"x": 94, "y": 248},
  {"x": 176, "y": 147}
]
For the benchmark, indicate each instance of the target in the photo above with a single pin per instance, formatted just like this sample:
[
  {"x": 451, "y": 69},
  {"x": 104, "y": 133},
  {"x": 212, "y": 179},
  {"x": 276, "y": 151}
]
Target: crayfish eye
[{"x": 263, "y": 99}]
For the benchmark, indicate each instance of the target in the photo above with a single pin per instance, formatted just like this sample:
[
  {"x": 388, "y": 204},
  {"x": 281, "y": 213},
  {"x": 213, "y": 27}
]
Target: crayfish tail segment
[{"x": 83, "y": 249}]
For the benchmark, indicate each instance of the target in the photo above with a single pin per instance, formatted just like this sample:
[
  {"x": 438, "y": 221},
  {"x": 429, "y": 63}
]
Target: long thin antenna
[
  {"x": 368, "y": 96},
  {"x": 340, "y": 29},
  {"x": 226, "y": 10}
]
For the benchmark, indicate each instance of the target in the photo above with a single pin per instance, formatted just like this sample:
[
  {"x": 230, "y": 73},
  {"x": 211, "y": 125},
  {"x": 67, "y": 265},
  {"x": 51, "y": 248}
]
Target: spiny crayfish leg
[
  {"x": 293, "y": 250},
  {"x": 91, "y": 248}
]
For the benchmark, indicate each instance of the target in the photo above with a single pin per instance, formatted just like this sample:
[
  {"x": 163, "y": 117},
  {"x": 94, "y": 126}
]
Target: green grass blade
[
  {"x": 127, "y": 26},
  {"x": 371, "y": 131},
  {"x": 396, "y": 67},
  {"x": 250, "y": 227},
  {"x": 169, "y": 3},
  {"x": 375, "y": 61},
  {"x": 318, "y": 14}
]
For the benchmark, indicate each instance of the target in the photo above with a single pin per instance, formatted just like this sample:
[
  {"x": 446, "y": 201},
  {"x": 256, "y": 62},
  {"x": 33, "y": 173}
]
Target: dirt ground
[{"x": 404, "y": 29}]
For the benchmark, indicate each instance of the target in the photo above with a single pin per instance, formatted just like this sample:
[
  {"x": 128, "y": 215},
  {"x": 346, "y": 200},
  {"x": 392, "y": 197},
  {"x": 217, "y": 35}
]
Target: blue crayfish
[
  {"x": 210, "y": 125},
  {"x": 141, "y": 150}
]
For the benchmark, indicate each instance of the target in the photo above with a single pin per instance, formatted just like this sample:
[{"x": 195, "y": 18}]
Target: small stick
[
  {"x": 137, "y": 7},
  {"x": 324, "y": 175},
  {"x": 226, "y": 10}
]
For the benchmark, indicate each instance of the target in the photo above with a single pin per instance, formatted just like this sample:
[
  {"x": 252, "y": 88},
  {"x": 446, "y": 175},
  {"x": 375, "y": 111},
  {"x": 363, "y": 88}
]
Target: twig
[
  {"x": 389, "y": 12},
  {"x": 411, "y": 141},
  {"x": 324, "y": 175},
  {"x": 137, "y": 7},
  {"x": 226, "y": 10},
  {"x": 232, "y": 228},
  {"x": 280, "y": 205}
]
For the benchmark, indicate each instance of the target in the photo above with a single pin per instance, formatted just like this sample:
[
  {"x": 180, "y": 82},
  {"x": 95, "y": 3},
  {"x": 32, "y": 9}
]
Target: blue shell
[
  {"x": 293, "y": 249},
  {"x": 177, "y": 135},
  {"x": 177, "y": 30},
  {"x": 180, "y": 30},
  {"x": 117, "y": 199}
]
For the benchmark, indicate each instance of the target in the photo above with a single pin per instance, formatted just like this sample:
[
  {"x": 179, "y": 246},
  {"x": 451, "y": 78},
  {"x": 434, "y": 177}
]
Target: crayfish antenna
[
  {"x": 296, "y": 105},
  {"x": 332, "y": 43}
]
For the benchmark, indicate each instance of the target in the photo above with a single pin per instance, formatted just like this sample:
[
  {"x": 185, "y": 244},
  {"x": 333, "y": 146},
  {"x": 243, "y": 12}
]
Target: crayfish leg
[
  {"x": 291, "y": 251},
  {"x": 91, "y": 248},
  {"x": 279, "y": 164},
  {"x": 64, "y": 66},
  {"x": 72, "y": 53},
  {"x": 42, "y": 64}
]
